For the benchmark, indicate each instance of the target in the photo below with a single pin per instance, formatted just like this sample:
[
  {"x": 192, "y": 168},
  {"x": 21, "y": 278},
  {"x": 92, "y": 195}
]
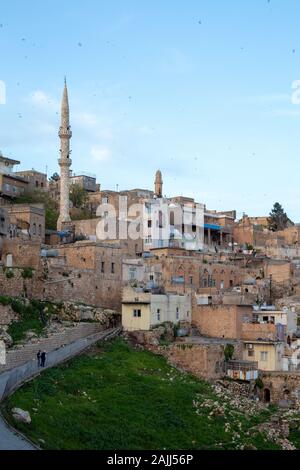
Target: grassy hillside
[{"x": 117, "y": 397}]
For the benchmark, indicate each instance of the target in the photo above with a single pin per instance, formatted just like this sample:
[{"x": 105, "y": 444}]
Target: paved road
[{"x": 12, "y": 441}]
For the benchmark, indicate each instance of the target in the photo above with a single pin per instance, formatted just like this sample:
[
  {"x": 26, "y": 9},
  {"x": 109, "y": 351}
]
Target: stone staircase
[{"x": 22, "y": 354}]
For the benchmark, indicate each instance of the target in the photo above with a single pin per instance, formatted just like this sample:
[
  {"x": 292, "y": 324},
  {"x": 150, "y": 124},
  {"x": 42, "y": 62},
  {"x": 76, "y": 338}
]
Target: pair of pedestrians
[{"x": 41, "y": 358}]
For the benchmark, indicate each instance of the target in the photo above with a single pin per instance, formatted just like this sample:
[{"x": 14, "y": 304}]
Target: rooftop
[{"x": 8, "y": 160}]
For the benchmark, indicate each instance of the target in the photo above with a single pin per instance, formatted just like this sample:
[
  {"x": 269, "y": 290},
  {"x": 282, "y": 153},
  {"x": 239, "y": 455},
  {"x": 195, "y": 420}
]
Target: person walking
[
  {"x": 43, "y": 358},
  {"x": 39, "y": 358}
]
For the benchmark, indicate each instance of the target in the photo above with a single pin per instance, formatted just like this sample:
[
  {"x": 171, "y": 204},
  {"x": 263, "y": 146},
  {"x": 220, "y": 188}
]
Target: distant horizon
[{"x": 202, "y": 90}]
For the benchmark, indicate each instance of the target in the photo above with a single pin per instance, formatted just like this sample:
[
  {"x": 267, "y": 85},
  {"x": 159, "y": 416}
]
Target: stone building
[
  {"x": 36, "y": 180},
  {"x": 11, "y": 185},
  {"x": 222, "y": 321},
  {"x": 268, "y": 354},
  {"x": 27, "y": 220}
]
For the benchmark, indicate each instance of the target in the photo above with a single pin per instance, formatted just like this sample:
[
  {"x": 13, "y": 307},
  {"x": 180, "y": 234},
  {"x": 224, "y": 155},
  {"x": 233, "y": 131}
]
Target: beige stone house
[{"x": 143, "y": 310}]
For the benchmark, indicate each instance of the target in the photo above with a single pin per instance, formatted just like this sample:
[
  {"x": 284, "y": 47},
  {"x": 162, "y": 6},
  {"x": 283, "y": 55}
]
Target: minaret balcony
[
  {"x": 65, "y": 162},
  {"x": 65, "y": 133}
]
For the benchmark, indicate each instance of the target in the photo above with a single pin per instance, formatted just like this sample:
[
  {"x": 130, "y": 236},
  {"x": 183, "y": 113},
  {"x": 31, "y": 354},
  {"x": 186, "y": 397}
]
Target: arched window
[
  {"x": 267, "y": 395},
  {"x": 172, "y": 218},
  {"x": 34, "y": 229}
]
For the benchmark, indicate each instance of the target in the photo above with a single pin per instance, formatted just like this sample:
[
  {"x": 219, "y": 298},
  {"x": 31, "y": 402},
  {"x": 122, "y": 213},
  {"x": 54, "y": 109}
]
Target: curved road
[{"x": 9, "y": 440}]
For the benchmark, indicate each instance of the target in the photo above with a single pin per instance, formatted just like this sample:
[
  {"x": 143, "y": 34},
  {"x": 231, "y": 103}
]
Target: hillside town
[{"x": 217, "y": 296}]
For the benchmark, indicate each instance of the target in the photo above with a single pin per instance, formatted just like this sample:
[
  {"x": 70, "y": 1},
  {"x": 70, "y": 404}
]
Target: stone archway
[{"x": 267, "y": 395}]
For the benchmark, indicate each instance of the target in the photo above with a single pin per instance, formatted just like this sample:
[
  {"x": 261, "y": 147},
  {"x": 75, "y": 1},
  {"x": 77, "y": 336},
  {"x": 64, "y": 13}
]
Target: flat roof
[
  {"x": 257, "y": 341},
  {"x": 9, "y": 160},
  {"x": 13, "y": 176}
]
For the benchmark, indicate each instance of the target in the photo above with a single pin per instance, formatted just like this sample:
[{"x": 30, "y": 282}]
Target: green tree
[
  {"x": 278, "y": 219},
  {"x": 78, "y": 196},
  {"x": 42, "y": 197},
  {"x": 228, "y": 352}
]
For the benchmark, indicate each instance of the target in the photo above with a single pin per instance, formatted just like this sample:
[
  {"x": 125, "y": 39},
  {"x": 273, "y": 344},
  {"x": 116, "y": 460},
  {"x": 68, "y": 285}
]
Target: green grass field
[{"x": 117, "y": 397}]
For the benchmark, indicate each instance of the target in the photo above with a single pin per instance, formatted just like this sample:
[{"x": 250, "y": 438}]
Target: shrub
[
  {"x": 5, "y": 300},
  {"x": 27, "y": 273},
  {"x": 9, "y": 274},
  {"x": 228, "y": 352},
  {"x": 259, "y": 383},
  {"x": 17, "y": 306}
]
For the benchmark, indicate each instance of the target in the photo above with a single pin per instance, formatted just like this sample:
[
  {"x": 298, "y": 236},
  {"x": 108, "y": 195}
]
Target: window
[
  {"x": 106, "y": 213},
  {"x": 149, "y": 223},
  {"x": 158, "y": 314},
  {"x": 250, "y": 352},
  {"x": 137, "y": 313},
  {"x": 160, "y": 219},
  {"x": 148, "y": 240},
  {"x": 231, "y": 283},
  {"x": 113, "y": 268},
  {"x": 34, "y": 229},
  {"x": 204, "y": 282},
  {"x": 102, "y": 267},
  {"x": 222, "y": 285},
  {"x": 177, "y": 313},
  {"x": 105, "y": 200},
  {"x": 191, "y": 280},
  {"x": 42, "y": 184},
  {"x": 36, "y": 184},
  {"x": 40, "y": 230},
  {"x": 151, "y": 277},
  {"x": 172, "y": 218},
  {"x": 263, "y": 356},
  {"x": 188, "y": 314}
]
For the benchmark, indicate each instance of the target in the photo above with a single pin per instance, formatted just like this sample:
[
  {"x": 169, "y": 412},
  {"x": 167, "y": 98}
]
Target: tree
[
  {"x": 55, "y": 177},
  {"x": 228, "y": 352},
  {"x": 278, "y": 219},
  {"x": 78, "y": 196},
  {"x": 42, "y": 197}
]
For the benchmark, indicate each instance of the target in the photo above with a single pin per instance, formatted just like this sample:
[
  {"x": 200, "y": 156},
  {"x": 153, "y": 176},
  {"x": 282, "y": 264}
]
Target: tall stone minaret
[
  {"x": 158, "y": 184},
  {"x": 65, "y": 161}
]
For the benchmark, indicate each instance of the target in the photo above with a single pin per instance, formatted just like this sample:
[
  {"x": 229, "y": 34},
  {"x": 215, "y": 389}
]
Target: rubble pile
[
  {"x": 69, "y": 311},
  {"x": 233, "y": 403}
]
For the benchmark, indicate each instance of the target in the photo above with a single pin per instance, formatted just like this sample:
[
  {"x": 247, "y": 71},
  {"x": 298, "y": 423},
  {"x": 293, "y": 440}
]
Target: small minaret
[
  {"x": 65, "y": 161},
  {"x": 158, "y": 184}
]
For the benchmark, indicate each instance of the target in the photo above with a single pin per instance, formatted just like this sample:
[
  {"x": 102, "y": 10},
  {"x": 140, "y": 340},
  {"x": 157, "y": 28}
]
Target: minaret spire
[
  {"x": 158, "y": 189},
  {"x": 65, "y": 162}
]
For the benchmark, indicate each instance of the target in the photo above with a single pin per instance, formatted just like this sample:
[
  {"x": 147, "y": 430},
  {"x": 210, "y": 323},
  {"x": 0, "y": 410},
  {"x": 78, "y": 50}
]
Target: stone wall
[
  {"x": 282, "y": 386},
  {"x": 221, "y": 321},
  {"x": 7, "y": 315},
  {"x": 17, "y": 286},
  {"x": 253, "y": 331},
  {"x": 205, "y": 361}
]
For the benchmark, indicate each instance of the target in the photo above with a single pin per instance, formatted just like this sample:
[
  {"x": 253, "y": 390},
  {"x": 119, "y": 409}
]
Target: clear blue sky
[{"x": 200, "y": 89}]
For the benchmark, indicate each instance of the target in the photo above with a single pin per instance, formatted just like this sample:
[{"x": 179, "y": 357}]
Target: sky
[{"x": 201, "y": 90}]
